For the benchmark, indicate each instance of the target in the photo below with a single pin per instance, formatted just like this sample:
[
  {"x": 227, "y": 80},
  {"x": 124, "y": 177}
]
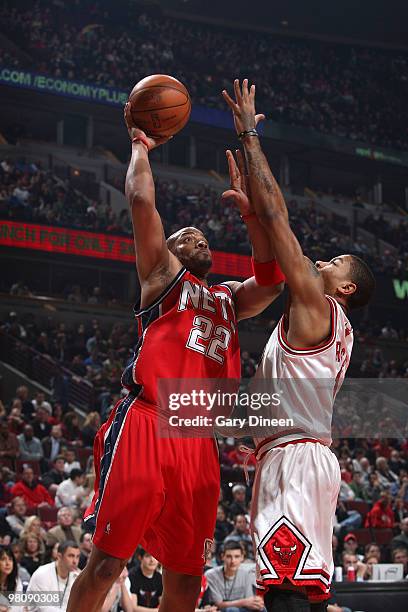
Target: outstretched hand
[
  {"x": 243, "y": 108},
  {"x": 135, "y": 132},
  {"x": 238, "y": 191}
]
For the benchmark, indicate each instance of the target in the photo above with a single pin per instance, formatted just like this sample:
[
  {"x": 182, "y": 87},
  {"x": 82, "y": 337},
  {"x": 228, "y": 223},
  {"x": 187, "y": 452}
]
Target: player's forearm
[
  {"x": 261, "y": 245},
  {"x": 139, "y": 185},
  {"x": 266, "y": 195}
]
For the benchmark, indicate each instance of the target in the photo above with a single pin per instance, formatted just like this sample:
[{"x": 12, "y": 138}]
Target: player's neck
[
  {"x": 147, "y": 573},
  {"x": 230, "y": 572}
]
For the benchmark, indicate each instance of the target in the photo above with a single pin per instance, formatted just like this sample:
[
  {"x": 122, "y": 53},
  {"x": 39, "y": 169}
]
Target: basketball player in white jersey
[{"x": 298, "y": 477}]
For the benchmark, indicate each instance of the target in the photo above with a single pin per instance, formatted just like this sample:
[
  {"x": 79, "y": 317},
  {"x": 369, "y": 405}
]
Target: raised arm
[
  {"x": 156, "y": 266},
  {"x": 309, "y": 322},
  {"x": 251, "y": 297}
]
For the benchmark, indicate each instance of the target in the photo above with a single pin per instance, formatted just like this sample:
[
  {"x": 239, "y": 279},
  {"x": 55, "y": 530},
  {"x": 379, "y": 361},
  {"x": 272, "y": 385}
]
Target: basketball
[{"x": 160, "y": 105}]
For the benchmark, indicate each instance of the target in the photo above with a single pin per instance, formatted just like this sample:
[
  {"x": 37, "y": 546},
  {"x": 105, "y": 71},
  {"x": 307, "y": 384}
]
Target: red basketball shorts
[{"x": 161, "y": 493}]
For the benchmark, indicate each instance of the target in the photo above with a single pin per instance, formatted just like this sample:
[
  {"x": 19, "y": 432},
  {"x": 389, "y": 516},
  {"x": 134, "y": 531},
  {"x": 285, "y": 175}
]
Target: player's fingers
[
  {"x": 232, "y": 168},
  {"x": 245, "y": 89},
  {"x": 252, "y": 92},
  {"x": 233, "y": 106},
  {"x": 237, "y": 89}
]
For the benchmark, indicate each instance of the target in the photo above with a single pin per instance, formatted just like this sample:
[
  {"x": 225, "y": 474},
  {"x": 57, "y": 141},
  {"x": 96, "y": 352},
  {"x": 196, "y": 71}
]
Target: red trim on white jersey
[{"x": 311, "y": 350}]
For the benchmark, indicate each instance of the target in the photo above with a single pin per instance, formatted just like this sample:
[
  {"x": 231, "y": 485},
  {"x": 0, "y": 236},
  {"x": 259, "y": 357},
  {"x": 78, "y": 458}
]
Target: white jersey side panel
[{"x": 321, "y": 370}]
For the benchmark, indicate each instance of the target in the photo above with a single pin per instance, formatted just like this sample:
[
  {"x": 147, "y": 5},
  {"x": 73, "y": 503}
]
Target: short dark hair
[
  {"x": 231, "y": 545},
  {"x": 63, "y": 546},
  {"x": 58, "y": 458},
  {"x": 364, "y": 279},
  {"x": 75, "y": 472}
]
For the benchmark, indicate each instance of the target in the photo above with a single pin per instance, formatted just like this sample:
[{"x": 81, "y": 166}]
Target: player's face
[
  {"x": 335, "y": 273},
  {"x": 191, "y": 248}
]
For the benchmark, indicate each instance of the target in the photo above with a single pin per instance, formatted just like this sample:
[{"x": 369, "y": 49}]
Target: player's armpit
[{"x": 251, "y": 299}]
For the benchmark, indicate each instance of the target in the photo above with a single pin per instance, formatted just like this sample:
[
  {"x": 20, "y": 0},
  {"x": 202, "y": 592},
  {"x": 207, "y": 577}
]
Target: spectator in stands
[
  {"x": 71, "y": 461},
  {"x": 381, "y": 515},
  {"x": 119, "y": 596},
  {"x": 358, "y": 488},
  {"x": 369, "y": 562},
  {"x": 32, "y": 558},
  {"x": 238, "y": 505},
  {"x": 352, "y": 560},
  {"x": 61, "y": 573},
  {"x": 30, "y": 447},
  {"x": 241, "y": 535},
  {"x": 52, "y": 445},
  {"x": 32, "y": 526},
  {"x": 24, "y": 576},
  {"x": 350, "y": 545},
  {"x": 222, "y": 526},
  {"x": 34, "y": 493},
  {"x": 400, "y": 555},
  {"x": 402, "y": 538},
  {"x": 15, "y": 419},
  {"x": 396, "y": 463},
  {"x": 89, "y": 428},
  {"x": 70, "y": 428},
  {"x": 71, "y": 492},
  {"x": 231, "y": 586},
  {"x": 85, "y": 546},
  {"x": 16, "y": 517},
  {"x": 146, "y": 582},
  {"x": 22, "y": 394},
  {"x": 346, "y": 519},
  {"x": 41, "y": 426},
  {"x": 40, "y": 402},
  {"x": 9, "y": 445},
  {"x": 9, "y": 578},
  {"x": 385, "y": 475},
  {"x": 374, "y": 487},
  {"x": 65, "y": 529},
  {"x": 56, "y": 475},
  {"x": 372, "y": 550}
]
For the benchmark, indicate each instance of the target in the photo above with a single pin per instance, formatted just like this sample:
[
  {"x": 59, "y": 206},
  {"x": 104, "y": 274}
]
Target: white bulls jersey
[
  {"x": 307, "y": 379},
  {"x": 297, "y": 478}
]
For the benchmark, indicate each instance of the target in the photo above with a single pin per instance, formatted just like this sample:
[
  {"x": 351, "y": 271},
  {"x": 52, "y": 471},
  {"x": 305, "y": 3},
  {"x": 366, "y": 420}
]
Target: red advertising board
[{"x": 102, "y": 246}]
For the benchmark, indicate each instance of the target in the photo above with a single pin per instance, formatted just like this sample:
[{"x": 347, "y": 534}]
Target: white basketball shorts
[{"x": 293, "y": 505}]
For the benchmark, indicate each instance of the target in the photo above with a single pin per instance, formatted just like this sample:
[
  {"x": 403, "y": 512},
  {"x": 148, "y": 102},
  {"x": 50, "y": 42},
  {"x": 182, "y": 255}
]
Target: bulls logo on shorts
[{"x": 283, "y": 552}]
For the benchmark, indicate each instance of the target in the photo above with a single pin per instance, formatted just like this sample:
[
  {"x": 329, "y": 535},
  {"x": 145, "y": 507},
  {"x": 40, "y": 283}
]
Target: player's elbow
[{"x": 138, "y": 199}]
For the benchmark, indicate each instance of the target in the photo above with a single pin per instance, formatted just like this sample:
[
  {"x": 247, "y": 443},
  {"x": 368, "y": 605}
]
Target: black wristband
[{"x": 245, "y": 133}]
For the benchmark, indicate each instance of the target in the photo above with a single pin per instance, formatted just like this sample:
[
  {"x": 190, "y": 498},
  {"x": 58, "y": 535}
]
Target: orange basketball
[{"x": 160, "y": 105}]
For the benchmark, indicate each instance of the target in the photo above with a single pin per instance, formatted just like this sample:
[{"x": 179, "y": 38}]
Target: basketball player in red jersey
[
  {"x": 162, "y": 493},
  {"x": 297, "y": 476}
]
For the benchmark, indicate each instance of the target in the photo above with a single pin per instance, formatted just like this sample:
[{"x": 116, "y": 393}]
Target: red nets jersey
[{"x": 190, "y": 331}]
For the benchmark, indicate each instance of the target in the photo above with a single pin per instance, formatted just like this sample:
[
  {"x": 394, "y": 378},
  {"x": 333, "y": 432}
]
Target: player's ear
[{"x": 347, "y": 288}]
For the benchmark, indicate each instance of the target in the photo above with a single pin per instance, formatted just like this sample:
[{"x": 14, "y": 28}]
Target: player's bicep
[
  {"x": 151, "y": 249},
  {"x": 302, "y": 277}
]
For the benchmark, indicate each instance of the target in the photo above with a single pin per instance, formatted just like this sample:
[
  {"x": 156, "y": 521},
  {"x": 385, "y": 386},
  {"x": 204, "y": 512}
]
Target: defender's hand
[
  {"x": 238, "y": 191},
  {"x": 243, "y": 108}
]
